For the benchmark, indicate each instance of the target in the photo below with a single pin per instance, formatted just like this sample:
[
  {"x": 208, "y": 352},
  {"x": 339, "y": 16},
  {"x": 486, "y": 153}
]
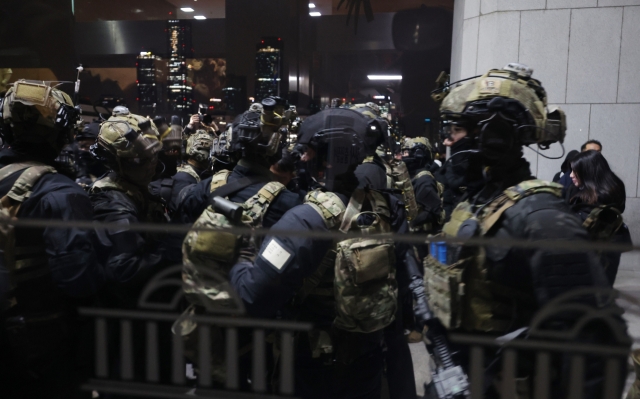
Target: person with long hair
[{"x": 596, "y": 185}]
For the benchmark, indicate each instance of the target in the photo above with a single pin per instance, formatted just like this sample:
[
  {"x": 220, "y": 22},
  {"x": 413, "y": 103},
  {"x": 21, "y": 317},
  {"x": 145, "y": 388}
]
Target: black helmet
[{"x": 336, "y": 138}]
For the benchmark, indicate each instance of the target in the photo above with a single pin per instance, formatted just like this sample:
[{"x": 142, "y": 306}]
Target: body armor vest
[
  {"x": 461, "y": 293},
  {"x": 151, "y": 211},
  {"x": 356, "y": 280}
]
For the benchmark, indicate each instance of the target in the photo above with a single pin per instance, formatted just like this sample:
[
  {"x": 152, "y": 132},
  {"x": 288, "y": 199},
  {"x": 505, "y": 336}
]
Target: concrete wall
[{"x": 587, "y": 55}]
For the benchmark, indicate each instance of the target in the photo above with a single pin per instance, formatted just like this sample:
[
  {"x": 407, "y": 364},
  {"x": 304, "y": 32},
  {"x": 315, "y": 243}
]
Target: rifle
[{"x": 449, "y": 380}]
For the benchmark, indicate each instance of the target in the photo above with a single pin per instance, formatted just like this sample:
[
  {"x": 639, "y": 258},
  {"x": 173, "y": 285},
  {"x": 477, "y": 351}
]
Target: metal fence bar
[
  {"x": 258, "y": 378},
  {"x": 210, "y": 320},
  {"x": 539, "y": 345},
  {"x": 509, "y": 369},
  {"x": 476, "y": 369},
  {"x": 542, "y": 379},
  {"x": 102, "y": 360},
  {"x": 153, "y": 369},
  {"x": 612, "y": 380},
  {"x": 231, "y": 357},
  {"x": 204, "y": 355},
  {"x": 286, "y": 363},
  {"x": 178, "y": 371},
  {"x": 576, "y": 379},
  {"x": 126, "y": 350}
]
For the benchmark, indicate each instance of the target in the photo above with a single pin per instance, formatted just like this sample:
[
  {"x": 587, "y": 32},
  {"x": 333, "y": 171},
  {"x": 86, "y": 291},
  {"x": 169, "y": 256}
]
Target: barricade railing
[{"x": 124, "y": 384}]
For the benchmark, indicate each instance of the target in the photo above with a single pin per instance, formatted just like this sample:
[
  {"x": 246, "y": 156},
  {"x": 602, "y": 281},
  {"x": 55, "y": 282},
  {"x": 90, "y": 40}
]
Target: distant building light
[
  {"x": 380, "y": 97},
  {"x": 315, "y": 14},
  {"x": 252, "y": 99},
  {"x": 187, "y": 9},
  {"x": 200, "y": 17},
  {"x": 384, "y": 77},
  {"x": 216, "y": 100},
  {"x": 311, "y": 5}
]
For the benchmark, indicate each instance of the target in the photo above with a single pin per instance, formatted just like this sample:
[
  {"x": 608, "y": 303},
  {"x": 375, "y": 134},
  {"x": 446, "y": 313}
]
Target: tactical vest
[
  {"x": 460, "y": 294},
  {"x": 217, "y": 250},
  {"x": 356, "y": 279},
  {"x": 27, "y": 265},
  {"x": 149, "y": 211}
]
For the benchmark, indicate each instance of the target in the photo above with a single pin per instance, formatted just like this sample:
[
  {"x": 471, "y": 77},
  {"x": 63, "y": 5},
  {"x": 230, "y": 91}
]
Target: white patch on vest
[{"x": 275, "y": 254}]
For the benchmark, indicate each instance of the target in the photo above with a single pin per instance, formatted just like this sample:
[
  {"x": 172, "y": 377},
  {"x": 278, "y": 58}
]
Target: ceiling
[{"x": 115, "y": 10}]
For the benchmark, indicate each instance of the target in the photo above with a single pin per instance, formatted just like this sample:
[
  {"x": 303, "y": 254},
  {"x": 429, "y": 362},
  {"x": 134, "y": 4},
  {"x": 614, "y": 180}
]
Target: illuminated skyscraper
[
  {"x": 179, "y": 92},
  {"x": 268, "y": 68},
  {"x": 149, "y": 97}
]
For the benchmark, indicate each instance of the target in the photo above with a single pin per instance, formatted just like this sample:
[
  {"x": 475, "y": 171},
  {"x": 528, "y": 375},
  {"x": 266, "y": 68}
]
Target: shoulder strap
[
  {"x": 353, "y": 209},
  {"x": 15, "y": 167},
  {"x": 235, "y": 186},
  {"x": 188, "y": 169},
  {"x": 424, "y": 173},
  {"x": 328, "y": 205},
  {"x": 511, "y": 196},
  {"x": 21, "y": 189},
  {"x": 256, "y": 207},
  {"x": 219, "y": 179}
]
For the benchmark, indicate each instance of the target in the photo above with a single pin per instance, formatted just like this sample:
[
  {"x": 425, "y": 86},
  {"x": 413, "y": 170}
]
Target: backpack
[
  {"x": 365, "y": 288},
  {"x": 217, "y": 250},
  {"x": 9, "y": 206}
]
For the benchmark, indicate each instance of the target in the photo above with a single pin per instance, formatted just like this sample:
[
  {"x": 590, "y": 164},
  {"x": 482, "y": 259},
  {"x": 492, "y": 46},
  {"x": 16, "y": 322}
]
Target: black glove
[{"x": 422, "y": 218}]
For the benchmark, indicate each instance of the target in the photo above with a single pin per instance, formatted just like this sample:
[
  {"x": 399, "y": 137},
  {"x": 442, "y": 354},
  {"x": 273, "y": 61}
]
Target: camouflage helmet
[
  {"x": 35, "y": 113},
  {"x": 512, "y": 94},
  {"x": 127, "y": 136},
  {"x": 199, "y": 145}
]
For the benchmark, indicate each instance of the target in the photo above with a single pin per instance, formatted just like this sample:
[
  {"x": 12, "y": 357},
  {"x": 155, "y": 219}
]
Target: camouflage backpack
[
  {"x": 460, "y": 294},
  {"x": 217, "y": 250},
  {"x": 365, "y": 289},
  {"x": 402, "y": 181},
  {"x": 30, "y": 259}
]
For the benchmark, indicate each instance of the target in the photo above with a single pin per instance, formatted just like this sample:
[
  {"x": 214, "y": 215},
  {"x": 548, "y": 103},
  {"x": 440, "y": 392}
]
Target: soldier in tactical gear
[
  {"x": 461, "y": 174},
  {"x": 257, "y": 143},
  {"x": 129, "y": 144},
  {"x": 171, "y": 155},
  {"x": 372, "y": 171},
  {"x": 196, "y": 167},
  {"x": 506, "y": 109},
  {"x": 416, "y": 154},
  {"x": 52, "y": 270},
  {"x": 297, "y": 276}
]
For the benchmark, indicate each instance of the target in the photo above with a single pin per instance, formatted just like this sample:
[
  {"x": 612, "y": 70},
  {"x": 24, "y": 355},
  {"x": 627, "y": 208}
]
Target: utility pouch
[
  {"x": 366, "y": 260},
  {"x": 445, "y": 288}
]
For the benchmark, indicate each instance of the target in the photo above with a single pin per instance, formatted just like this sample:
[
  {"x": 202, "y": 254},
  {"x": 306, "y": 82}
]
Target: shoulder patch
[{"x": 276, "y": 255}]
